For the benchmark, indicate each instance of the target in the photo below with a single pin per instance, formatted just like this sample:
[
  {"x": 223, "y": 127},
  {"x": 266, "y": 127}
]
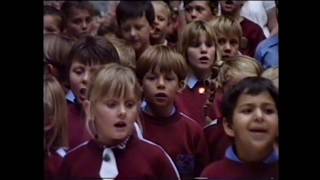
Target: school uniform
[
  {"x": 267, "y": 52},
  {"x": 133, "y": 159},
  {"x": 181, "y": 137},
  {"x": 191, "y": 101},
  {"x": 253, "y": 34},
  {"x": 232, "y": 168},
  {"x": 218, "y": 141},
  {"x": 77, "y": 131},
  {"x": 53, "y": 163}
]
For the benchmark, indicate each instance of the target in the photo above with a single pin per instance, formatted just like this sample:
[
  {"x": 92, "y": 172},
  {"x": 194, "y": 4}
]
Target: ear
[
  {"x": 228, "y": 128},
  {"x": 53, "y": 70},
  {"x": 181, "y": 85}
]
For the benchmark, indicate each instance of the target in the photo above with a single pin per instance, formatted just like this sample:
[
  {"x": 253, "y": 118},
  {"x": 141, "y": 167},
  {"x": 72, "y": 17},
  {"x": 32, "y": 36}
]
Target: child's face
[
  {"x": 114, "y": 117},
  {"x": 137, "y": 33},
  {"x": 79, "y": 75},
  {"x": 79, "y": 23},
  {"x": 51, "y": 24},
  {"x": 230, "y": 7},
  {"x": 160, "y": 88},
  {"x": 201, "y": 53},
  {"x": 198, "y": 10},
  {"x": 161, "y": 22},
  {"x": 228, "y": 46},
  {"x": 255, "y": 122}
]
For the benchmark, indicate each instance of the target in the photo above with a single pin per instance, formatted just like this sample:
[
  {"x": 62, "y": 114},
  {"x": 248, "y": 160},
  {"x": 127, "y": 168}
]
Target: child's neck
[
  {"x": 202, "y": 75},
  {"x": 159, "y": 111},
  {"x": 247, "y": 154}
]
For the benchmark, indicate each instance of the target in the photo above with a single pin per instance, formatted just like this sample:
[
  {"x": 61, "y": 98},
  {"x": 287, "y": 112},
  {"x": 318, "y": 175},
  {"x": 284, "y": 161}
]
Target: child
[
  {"x": 199, "y": 47},
  {"x": 273, "y": 75},
  {"x": 126, "y": 53},
  {"x": 231, "y": 72},
  {"x": 77, "y": 18},
  {"x": 252, "y": 32},
  {"x": 229, "y": 34},
  {"x": 200, "y": 10},
  {"x": 115, "y": 151},
  {"x": 162, "y": 71},
  {"x": 251, "y": 119},
  {"x": 86, "y": 55},
  {"x": 52, "y": 20},
  {"x": 56, "y": 51},
  {"x": 55, "y": 126},
  {"x": 161, "y": 23},
  {"x": 135, "y": 20}
]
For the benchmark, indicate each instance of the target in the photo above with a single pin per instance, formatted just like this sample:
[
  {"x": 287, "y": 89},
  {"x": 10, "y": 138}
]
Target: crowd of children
[{"x": 160, "y": 90}]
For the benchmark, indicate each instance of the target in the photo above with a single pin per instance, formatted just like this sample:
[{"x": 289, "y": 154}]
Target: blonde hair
[
  {"x": 273, "y": 75},
  {"x": 224, "y": 26},
  {"x": 165, "y": 6},
  {"x": 55, "y": 113},
  {"x": 56, "y": 49},
  {"x": 192, "y": 32},
  {"x": 126, "y": 53},
  {"x": 165, "y": 58},
  {"x": 113, "y": 80},
  {"x": 237, "y": 67}
]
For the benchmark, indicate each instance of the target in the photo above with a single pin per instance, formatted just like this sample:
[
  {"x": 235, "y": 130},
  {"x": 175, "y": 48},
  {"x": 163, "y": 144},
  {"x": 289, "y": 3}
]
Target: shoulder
[
  {"x": 77, "y": 151},
  {"x": 189, "y": 122},
  {"x": 216, "y": 168}
]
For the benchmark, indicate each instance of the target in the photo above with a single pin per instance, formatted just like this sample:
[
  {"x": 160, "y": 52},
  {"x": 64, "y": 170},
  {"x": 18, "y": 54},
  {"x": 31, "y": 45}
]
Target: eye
[
  {"x": 199, "y": 9},
  {"x": 195, "y": 44},
  {"x": 139, "y": 27},
  {"x": 161, "y": 18},
  {"x": 269, "y": 111},
  {"x": 130, "y": 103},
  {"x": 234, "y": 42},
  {"x": 111, "y": 103},
  {"x": 150, "y": 77},
  {"x": 88, "y": 19},
  {"x": 221, "y": 41},
  {"x": 246, "y": 110},
  {"x": 78, "y": 71},
  {"x": 77, "y": 21},
  {"x": 209, "y": 44},
  {"x": 189, "y": 9}
]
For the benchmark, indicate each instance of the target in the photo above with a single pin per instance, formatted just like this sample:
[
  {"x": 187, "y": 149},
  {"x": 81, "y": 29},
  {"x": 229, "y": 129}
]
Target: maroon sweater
[
  {"x": 254, "y": 34},
  {"x": 53, "y": 163},
  {"x": 231, "y": 168},
  {"x": 181, "y": 138},
  {"x": 138, "y": 160},
  {"x": 191, "y": 103},
  {"x": 77, "y": 130},
  {"x": 217, "y": 140}
]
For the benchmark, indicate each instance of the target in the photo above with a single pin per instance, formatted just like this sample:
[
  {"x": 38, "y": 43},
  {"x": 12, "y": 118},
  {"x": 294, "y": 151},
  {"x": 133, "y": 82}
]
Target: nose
[
  {"x": 203, "y": 48},
  {"x": 227, "y": 47},
  {"x": 122, "y": 111},
  {"x": 84, "y": 25},
  {"x": 194, "y": 14},
  {"x": 86, "y": 77},
  {"x": 161, "y": 83},
  {"x": 133, "y": 32},
  {"x": 258, "y": 115}
]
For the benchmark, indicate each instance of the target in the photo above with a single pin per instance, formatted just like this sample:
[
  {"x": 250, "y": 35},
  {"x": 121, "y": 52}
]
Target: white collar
[{"x": 191, "y": 80}]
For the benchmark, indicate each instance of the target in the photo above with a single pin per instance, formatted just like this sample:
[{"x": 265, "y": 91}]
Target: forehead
[
  {"x": 77, "y": 63},
  {"x": 136, "y": 21},
  {"x": 160, "y": 8},
  {"x": 198, "y": 3},
  {"x": 261, "y": 98},
  {"x": 51, "y": 19},
  {"x": 78, "y": 13}
]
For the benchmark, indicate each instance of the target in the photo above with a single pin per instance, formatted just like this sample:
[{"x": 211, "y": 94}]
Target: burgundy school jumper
[
  {"x": 232, "y": 168},
  {"x": 53, "y": 164},
  {"x": 254, "y": 35},
  {"x": 182, "y": 138},
  {"x": 140, "y": 159},
  {"x": 191, "y": 102},
  {"x": 77, "y": 130}
]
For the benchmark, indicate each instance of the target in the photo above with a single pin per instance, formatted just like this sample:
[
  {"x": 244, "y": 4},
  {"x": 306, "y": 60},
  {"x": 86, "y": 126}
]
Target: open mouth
[
  {"x": 161, "y": 97},
  {"x": 204, "y": 59},
  {"x": 83, "y": 93},
  {"x": 120, "y": 124}
]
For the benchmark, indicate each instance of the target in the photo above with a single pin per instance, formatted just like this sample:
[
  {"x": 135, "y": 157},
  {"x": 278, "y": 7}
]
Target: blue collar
[
  {"x": 191, "y": 81},
  {"x": 71, "y": 97},
  {"x": 146, "y": 108},
  {"x": 274, "y": 157}
]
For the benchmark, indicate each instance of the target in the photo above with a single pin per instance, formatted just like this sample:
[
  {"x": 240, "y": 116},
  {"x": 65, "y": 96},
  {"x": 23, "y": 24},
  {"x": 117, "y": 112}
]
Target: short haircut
[
  {"x": 68, "y": 6},
  {"x": 165, "y": 58},
  {"x": 52, "y": 11},
  {"x": 213, "y": 4},
  {"x": 192, "y": 32},
  {"x": 134, "y": 9},
  {"x": 273, "y": 75},
  {"x": 251, "y": 86},
  {"x": 90, "y": 50},
  {"x": 228, "y": 27},
  {"x": 238, "y": 66}
]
